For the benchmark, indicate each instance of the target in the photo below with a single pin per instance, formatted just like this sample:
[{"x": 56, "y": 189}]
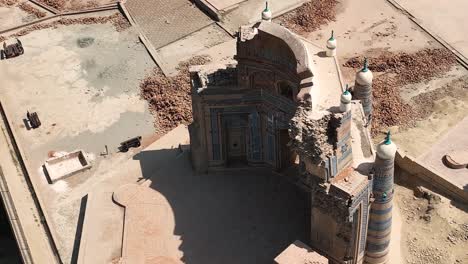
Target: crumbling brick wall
[{"x": 310, "y": 137}]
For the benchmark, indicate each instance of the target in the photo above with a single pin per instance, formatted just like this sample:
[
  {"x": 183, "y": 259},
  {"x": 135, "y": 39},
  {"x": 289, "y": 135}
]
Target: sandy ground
[
  {"x": 385, "y": 28},
  {"x": 13, "y": 16},
  {"x": 71, "y": 5},
  {"x": 447, "y": 112},
  {"x": 455, "y": 140},
  {"x": 25, "y": 208},
  {"x": 257, "y": 214},
  {"x": 198, "y": 42},
  {"x": 84, "y": 83},
  {"x": 433, "y": 231},
  {"x": 446, "y": 20}
]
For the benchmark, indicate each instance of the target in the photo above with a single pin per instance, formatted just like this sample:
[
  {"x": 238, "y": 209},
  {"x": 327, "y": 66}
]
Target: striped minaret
[
  {"x": 380, "y": 218},
  {"x": 363, "y": 89}
]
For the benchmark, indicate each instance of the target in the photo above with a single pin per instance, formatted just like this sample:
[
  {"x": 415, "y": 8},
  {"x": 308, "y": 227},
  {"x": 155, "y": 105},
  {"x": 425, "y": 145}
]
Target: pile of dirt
[
  {"x": 75, "y": 5},
  {"x": 31, "y": 10},
  {"x": 310, "y": 16},
  {"x": 57, "y": 4},
  {"x": 457, "y": 88},
  {"x": 8, "y": 2},
  {"x": 397, "y": 70},
  {"x": 118, "y": 21},
  {"x": 433, "y": 230},
  {"x": 169, "y": 98},
  {"x": 81, "y": 5}
]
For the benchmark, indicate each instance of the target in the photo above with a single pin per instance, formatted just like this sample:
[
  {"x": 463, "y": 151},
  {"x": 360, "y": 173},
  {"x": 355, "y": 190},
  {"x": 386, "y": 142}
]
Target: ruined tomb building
[
  {"x": 281, "y": 107},
  {"x": 363, "y": 89},
  {"x": 380, "y": 218}
]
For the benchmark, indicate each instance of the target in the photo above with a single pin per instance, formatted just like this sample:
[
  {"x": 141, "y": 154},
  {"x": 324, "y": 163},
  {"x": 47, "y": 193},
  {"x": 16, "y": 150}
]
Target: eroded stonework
[{"x": 267, "y": 111}]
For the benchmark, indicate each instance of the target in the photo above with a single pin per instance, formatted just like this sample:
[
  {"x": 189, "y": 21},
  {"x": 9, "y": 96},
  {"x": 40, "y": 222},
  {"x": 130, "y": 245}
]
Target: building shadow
[
  {"x": 412, "y": 182},
  {"x": 79, "y": 230},
  {"x": 322, "y": 54},
  {"x": 241, "y": 216},
  {"x": 26, "y": 124}
]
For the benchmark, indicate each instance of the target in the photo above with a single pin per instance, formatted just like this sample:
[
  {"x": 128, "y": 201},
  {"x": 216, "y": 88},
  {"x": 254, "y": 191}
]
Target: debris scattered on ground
[
  {"x": 458, "y": 88},
  {"x": 31, "y": 10},
  {"x": 74, "y": 5},
  {"x": 398, "y": 70},
  {"x": 80, "y": 4},
  {"x": 310, "y": 16},
  {"x": 118, "y": 21},
  {"x": 85, "y": 42},
  {"x": 169, "y": 98},
  {"x": 8, "y": 2},
  {"x": 57, "y": 4},
  {"x": 433, "y": 231}
]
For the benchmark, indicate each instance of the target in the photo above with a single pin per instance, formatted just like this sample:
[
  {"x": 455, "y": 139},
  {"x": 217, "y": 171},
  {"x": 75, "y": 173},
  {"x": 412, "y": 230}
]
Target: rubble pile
[
  {"x": 80, "y": 5},
  {"x": 118, "y": 21},
  {"x": 170, "y": 97},
  {"x": 31, "y": 10},
  {"x": 74, "y": 5},
  {"x": 310, "y": 136},
  {"x": 310, "y": 16},
  {"x": 8, "y": 2},
  {"x": 398, "y": 70},
  {"x": 57, "y": 4},
  {"x": 457, "y": 88}
]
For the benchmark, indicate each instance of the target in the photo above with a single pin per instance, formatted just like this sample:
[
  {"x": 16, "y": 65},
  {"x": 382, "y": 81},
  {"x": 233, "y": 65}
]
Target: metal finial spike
[
  {"x": 388, "y": 139},
  {"x": 332, "y": 35},
  {"x": 366, "y": 65},
  {"x": 346, "y": 92},
  {"x": 266, "y": 6}
]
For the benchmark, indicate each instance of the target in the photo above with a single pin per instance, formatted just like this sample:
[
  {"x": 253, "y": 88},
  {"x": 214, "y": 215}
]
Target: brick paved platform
[{"x": 165, "y": 21}]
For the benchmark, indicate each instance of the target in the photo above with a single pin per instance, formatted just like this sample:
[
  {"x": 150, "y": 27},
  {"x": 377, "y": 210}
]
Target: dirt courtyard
[{"x": 83, "y": 81}]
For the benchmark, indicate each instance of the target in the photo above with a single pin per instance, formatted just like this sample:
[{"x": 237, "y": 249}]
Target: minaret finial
[
  {"x": 347, "y": 89},
  {"x": 366, "y": 65},
  {"x": 266, "y": 6},
  {"x": 332, "y": 35},
  {"x": 388, "y": 139}
]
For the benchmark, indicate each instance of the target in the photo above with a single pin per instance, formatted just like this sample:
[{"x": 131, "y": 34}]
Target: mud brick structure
[{"x": 270, "y": 110}]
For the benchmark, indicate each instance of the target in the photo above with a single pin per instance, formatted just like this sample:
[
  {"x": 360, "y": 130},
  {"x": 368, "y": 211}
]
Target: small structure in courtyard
[
  {"x": 280, "y": 107},
  {"x": 66, "y": 164},
  {"x": 12, "y": 50}
]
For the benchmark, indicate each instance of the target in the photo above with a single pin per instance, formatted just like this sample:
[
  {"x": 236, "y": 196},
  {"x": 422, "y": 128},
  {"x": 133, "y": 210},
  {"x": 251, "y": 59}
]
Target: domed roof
[
  {"x": 331, "y": 42},
  {"x": 364, "y": 76},
  {"x": 386, "y": 149},
  {"x": 346, "y": 97},
  {"x": 266, "y": 14}
]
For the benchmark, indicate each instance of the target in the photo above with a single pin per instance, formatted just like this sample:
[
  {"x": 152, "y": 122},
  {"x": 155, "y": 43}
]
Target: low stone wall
[{"x": 432, "y": 178}]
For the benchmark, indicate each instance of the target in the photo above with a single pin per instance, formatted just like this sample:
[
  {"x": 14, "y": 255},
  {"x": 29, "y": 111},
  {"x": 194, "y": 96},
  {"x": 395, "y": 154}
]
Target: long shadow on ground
[{"x": 237, "y": 217}]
